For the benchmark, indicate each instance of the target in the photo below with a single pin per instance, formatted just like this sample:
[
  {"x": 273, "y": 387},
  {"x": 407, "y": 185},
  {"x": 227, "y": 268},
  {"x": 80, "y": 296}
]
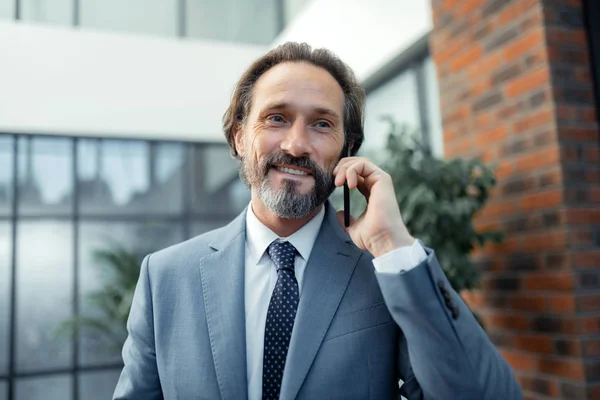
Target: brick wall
[{"x": 516, "y": 90}]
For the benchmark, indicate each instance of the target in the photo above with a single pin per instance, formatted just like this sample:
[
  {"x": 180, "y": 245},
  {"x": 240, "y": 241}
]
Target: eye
[
  {"x": 276, "y": 118},
  {"x": 323, "y": 124}
]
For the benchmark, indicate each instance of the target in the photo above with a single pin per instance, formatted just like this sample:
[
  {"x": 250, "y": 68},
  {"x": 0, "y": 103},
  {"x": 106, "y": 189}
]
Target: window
[
  {"x": 7, "y": 11},
  {"x": 156, "y": 17},
  {"x": 76, "y": 196},
  {"x": 398, "y": 98},
  {"x": 405, "y": 90},
  {"x": 47, "y": 11},
  {"x": 249, "y": 21},
  {"x": 45, "y": 176}
]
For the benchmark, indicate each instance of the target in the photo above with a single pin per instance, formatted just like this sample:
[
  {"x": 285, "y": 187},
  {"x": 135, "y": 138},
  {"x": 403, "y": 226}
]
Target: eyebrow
[{"x": 316, "y": 110}]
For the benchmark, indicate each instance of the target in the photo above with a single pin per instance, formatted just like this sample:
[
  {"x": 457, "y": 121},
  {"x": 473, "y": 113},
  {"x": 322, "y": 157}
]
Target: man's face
[{"x": 292, "y": 138}]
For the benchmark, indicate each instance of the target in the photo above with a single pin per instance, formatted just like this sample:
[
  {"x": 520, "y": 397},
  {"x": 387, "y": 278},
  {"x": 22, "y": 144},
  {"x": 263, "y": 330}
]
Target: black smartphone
[{"x": 347, "y": 197}]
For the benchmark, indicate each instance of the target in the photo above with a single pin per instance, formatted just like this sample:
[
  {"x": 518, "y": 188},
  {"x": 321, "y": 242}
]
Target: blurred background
[{"x": 111, "y": 147}]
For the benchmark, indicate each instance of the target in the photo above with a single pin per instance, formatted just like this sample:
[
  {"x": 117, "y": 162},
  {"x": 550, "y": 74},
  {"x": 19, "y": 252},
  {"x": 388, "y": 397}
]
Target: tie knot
[{"x": 283, "y": 255}]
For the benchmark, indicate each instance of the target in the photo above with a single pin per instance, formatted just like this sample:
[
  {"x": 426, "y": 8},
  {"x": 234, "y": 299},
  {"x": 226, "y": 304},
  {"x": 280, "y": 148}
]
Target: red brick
[
  {"x": 581, "y": 238},
  {"x": 563, "y": 368},
  {"x": 583, "y": 135},
  {"x": 528, "y": 81},
  {"x": 590, "y": 325},
  {"x": 449, "y": 51},
  {"x": 510, "y": 322},
  {"x": 505, "y": 170},
  {"x": 533, "y": 121},
  {"x": 547, "y": 387},
  {"x": 534, "y": 343},
  {"x": 511, "y": 12},
  {"x": 551, "y": 240},
  {"x": 550, "y": 178},
  {"x": 538, "y": 159},
  {"x": 550, "y": 281},
  {"x": 541, "y": 200},
  {"x": 562, "y": 303},
  {"x": 518, "y": 361},
  {"x": 583, "y": 216},
  {"x": 470, "y": 6},
  {"x": 578, "y": 37},
  {"x": 591, "y": 348},
  {"x": 567, "y": 347},
  {"x": 485, "y": 63},
  {"x": 496, "y": 208},
  {"x": 583, "y": 259},
  {"x": 588, "y": 303},
  {"x": 523, "y": 302},
  {"x": 592, "y": 154},
  {"x": 490, "y": 137},
  {"x": 524, "y": 44},
  {"x": 466, "y": 58}
]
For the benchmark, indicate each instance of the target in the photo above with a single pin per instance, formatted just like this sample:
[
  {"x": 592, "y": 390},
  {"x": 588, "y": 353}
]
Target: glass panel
[
  {"x": 98, "y": 385},
  {"x": 157, "y": 17},
  {"x": 7, "y": 9},
  {"x": 45, "y": 175},
  {"x": 247, "y": 21},
  {"x": 137, "y": 239},
  {"x": 51, "y": 11},
  {"x": 396, "y": 98},
  {"x": 432, "y": 97},
  {"x": 57, "y": 387},
  {"x": 6, "y": 174},
  {"x": 44, "y": 295},
  {"x": 216, "y": 186},
  {"x": 131, "y": 177},
  {"x": 5, "y": 279}
]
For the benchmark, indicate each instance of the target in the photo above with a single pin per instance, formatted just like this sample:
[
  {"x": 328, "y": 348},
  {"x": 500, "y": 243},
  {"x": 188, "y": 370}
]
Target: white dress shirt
[{"x": 261, "y": 276}]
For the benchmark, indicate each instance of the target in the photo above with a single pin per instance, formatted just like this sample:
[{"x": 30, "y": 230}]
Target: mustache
[{"x": 284, "y": 158}]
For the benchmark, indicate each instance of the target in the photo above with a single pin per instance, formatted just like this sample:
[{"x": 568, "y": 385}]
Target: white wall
[
  {"x": 70, "y": 81},
  {"x": 366, "y": 34}
]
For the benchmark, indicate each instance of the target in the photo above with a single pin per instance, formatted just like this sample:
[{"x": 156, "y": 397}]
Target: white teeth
[{"x": 291, "y": 171}]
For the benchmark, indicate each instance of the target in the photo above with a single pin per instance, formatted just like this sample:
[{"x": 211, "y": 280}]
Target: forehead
[{"x": 298, "y": 84}]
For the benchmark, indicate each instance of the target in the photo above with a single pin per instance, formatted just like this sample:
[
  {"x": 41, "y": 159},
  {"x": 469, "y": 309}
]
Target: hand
[{"x": 380, "y": 229}]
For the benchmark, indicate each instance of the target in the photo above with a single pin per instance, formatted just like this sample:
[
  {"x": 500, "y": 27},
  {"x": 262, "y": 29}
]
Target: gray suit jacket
[{"x": 356, "y": 332}]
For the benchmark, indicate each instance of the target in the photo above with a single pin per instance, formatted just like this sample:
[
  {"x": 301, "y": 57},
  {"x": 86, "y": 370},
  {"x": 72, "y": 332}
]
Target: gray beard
[{"x": 287, "y": 202}]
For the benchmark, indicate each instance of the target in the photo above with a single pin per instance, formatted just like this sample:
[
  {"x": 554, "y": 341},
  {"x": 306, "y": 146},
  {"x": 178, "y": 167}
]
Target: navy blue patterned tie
[{"x": 280, "y": 318}]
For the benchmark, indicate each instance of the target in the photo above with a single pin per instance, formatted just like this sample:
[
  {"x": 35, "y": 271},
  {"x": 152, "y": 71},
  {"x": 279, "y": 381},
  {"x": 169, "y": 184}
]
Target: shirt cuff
[{"x": 402, "y": 259}]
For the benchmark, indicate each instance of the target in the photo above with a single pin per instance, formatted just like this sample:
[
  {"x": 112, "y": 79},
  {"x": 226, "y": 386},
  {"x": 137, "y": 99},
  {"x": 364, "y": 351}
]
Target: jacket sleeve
[
  {"x": 450, "y": 354},
  {"x": 139, "y": 378}
]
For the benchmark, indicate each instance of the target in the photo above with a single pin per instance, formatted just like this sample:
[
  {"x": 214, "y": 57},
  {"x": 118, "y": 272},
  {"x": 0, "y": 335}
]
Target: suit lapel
[
  {"x": 328, "y": 271},
  {"x": 222, "y": 274}
]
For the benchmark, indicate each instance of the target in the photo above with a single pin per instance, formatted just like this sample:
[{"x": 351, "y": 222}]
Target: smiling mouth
[{"x": 292, "y": 171}]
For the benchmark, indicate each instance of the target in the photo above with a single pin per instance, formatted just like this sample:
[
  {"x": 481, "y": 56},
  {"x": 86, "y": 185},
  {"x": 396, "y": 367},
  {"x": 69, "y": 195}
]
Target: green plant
[
  {"x": 438, "y": 199},
  {"x": 110, "y": 304}
]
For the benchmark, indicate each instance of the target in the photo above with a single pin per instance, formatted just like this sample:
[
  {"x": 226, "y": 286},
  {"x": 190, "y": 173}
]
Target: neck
[{"x": 282, "y": 227}]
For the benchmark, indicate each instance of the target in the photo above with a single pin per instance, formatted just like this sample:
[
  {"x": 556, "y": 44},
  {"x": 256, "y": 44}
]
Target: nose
[{"x": 297, "y": 140}]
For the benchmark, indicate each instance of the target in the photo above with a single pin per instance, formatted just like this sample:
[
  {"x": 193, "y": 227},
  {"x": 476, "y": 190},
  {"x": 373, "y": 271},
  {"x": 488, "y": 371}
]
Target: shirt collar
[{"x": 259, "y": 237}]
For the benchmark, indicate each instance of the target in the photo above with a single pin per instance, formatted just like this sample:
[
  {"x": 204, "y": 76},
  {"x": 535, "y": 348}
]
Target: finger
[
  {"x": 340, "y": 173},
  {"x": 365, "y": 168},
  {"x": 351, "y": 178},
  {"x": 362, "y": 188}
]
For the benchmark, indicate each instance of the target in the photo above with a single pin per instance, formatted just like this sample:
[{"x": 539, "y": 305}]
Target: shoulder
[{"x": 182, "y": 254}]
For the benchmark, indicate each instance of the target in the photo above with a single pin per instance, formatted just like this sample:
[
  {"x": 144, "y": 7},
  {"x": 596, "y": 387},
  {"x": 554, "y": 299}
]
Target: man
[{"x": 284, "y": 302}]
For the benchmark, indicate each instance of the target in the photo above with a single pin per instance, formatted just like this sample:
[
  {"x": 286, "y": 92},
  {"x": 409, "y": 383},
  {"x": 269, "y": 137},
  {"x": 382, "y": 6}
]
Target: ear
[{"x": 238, "y": 134}]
